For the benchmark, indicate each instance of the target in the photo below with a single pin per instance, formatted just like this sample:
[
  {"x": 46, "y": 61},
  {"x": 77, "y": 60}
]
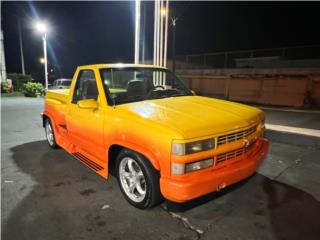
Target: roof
[{"x": 120, "y": 65}]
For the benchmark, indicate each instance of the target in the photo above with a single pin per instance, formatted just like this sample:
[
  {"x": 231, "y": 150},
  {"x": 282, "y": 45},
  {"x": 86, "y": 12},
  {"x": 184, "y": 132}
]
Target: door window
[{"x": 86, "y": 86}]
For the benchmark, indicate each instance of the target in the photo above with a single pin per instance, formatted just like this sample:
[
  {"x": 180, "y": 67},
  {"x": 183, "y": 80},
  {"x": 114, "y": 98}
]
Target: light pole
[
  {"x": 137, "y": 32},
  {"x": 161, "y": 13},
  {"x": 42, "y": 28},
  {"x": 21, "y": 48}
]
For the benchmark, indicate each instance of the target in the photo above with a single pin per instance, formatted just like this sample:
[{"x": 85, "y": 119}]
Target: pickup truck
[
  {"x": 143, "y": 125},
  {"x": 60, "y": 83}
]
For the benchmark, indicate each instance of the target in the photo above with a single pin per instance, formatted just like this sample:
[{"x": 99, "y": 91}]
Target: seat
[
  {"x": 136, "y": 88},
  {"x": 90, "y": 90}
]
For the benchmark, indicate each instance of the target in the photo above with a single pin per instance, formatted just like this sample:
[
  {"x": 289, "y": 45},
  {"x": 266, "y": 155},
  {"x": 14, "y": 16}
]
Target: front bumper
[{"x": 209, "y": 180}]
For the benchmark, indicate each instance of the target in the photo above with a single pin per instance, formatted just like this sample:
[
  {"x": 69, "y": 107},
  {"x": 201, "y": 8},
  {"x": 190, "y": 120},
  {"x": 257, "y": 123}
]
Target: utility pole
[
  {"x": 174, "y": 23},
  {"x": 3, "y": 72},
  {"x": 21, "y": 48},
  {"x": 44, "y": 39}
]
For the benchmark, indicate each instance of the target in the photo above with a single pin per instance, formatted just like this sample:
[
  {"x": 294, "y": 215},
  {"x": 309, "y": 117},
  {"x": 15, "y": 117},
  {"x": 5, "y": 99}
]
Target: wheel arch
[
  {"x": 115, "y": 149},
  {"x": 44, "y": 118}
]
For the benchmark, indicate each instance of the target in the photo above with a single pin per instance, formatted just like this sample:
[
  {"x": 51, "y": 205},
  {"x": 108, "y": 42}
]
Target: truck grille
[
  {"x": 232, "y": 154},
  {"x": 236, "y": 136},
  {"x": 229, "y": 155}
]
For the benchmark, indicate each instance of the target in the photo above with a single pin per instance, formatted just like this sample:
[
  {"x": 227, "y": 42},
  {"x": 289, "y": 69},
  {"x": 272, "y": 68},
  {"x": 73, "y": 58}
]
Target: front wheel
[
  {"x": 50, "y": 134},
  {"x": 138, "y": 180}
]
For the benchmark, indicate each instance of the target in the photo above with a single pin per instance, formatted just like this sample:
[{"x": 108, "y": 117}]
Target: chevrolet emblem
[{"x": 247, "y": 142}]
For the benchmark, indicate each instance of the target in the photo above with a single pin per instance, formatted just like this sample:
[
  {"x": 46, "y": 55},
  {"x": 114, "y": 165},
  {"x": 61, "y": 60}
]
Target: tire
[
  {"x": 50, "y": 134},
  {"x": 139, "y": 186}
]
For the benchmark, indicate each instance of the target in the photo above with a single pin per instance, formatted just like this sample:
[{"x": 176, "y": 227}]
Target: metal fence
[{"x": 250, "y": 58}]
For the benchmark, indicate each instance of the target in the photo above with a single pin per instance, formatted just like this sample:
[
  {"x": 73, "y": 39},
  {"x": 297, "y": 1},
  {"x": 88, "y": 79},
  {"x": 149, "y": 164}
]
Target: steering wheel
[
  {"x": 150, "y": 93},
  {"x": 159, "y": 86}
]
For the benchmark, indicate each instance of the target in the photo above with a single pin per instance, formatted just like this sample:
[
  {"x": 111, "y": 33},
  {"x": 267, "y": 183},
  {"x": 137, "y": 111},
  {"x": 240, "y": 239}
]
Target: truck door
[{"x": 85, "y": 126}]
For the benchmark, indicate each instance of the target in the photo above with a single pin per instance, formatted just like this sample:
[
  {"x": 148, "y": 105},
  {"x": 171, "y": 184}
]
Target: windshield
[{"x": 124, "y": 85}]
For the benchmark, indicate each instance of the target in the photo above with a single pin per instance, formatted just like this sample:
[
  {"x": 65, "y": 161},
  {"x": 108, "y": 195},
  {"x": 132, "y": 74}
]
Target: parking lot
[{"x": 47, "y": 194}]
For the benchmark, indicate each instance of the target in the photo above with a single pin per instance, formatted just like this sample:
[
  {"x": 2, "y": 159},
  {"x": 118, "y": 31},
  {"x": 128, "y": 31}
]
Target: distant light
[
  {"x": 41, "y": 60},
  {"x": 163, "y": 12},
  {"x": 41, "y": 27},
  {"x": 119, "y": 64}
]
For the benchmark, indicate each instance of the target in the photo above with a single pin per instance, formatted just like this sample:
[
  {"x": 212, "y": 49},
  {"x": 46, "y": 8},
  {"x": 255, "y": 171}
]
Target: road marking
[
  {"x": 105, "y": 207},
  {"x": 302, "y": 131},
  {"x": 8, "y": 181}
]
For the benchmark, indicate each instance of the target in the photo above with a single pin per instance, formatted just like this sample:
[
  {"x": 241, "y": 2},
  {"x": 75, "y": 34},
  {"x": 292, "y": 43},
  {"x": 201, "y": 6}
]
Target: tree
[{"x": 18, "y": 80}]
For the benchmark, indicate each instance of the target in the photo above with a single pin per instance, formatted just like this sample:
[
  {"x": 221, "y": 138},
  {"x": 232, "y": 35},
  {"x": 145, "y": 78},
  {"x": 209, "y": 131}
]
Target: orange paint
[{"x": 150, "y": 127}]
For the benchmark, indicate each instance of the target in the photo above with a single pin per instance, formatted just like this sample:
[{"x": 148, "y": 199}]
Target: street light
[
  {"x": 41, "y": 60},
  {"x": 163, "y": 11},
  {"x": 42, "y": 28}
]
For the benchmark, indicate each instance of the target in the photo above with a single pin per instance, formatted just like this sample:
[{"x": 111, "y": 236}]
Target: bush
[
  {"x": 32, "y": 89},
  {"x": 5, "y": 87},
  {"x": 18, "y": 80}
]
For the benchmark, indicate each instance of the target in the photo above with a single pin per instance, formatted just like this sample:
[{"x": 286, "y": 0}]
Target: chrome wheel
[
  {"x": 132, "y": 179},
  {"x": 49, "y": 133}
]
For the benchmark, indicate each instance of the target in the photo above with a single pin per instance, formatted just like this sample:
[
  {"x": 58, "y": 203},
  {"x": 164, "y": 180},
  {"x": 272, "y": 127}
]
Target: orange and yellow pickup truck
[{"x": 160, "y": 140}]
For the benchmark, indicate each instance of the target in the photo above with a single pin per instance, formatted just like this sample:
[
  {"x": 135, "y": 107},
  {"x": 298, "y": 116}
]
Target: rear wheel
[
  {"x": 138, "y": 180},
  {"x": 50, "y": 134}
]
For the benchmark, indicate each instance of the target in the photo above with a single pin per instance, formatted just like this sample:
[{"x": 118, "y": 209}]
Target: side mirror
[{"x": 88, "y": 104}]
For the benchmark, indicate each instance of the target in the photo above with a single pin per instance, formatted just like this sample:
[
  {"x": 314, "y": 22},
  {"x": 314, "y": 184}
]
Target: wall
[{"x": 282, "y": 87}]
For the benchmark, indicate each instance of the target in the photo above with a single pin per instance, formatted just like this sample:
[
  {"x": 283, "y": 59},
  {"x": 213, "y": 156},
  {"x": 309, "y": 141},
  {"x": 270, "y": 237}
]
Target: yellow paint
[{"x": 150, "y": 127}]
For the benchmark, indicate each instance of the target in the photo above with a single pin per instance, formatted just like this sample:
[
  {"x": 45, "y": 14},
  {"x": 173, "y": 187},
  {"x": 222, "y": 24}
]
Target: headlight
[
  {"x": 180, "y": 149},
  {"x": 181, "y": 168}
]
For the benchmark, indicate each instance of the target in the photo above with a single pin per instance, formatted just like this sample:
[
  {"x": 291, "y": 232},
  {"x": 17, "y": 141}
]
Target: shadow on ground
[{"x": 67, "y": 199}]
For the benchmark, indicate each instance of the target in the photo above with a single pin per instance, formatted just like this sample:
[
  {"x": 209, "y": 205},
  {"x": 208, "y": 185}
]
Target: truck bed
[
  {"x": 56, "y": 106},
  {"x": 59, "y": 95}
]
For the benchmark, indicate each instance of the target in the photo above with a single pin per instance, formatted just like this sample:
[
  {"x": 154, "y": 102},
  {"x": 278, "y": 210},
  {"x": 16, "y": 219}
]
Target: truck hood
[{"x": 195, "y": 116}]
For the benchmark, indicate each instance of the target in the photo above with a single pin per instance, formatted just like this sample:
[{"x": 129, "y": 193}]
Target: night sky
[{"x": 102, "y": 32}]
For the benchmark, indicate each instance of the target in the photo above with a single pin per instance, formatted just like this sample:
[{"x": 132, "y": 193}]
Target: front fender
[{"x": 141, "y": 150}]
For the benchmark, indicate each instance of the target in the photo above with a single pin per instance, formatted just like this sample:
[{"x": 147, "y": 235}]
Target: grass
[{"x": 14, "y": 94}]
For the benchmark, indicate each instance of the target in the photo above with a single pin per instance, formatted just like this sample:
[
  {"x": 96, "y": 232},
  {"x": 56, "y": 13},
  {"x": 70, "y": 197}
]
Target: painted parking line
[{"x": 303, "y": 131}]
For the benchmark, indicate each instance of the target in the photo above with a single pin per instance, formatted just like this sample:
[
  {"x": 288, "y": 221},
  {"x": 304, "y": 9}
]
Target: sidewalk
[
  {"x": 293, "y": 126},
  {"x": 293, "y": 118}
]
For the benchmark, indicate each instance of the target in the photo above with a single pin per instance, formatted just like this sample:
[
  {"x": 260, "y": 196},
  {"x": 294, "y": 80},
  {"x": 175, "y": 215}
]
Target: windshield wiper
[
  {"x": 166, "y": 94},
  {"x": 178, "y": 95},
  {"x": 120, "y": 100}
]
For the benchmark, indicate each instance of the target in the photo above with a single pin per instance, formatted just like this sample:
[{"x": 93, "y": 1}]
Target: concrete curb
[{"x": 291, "y": 135}]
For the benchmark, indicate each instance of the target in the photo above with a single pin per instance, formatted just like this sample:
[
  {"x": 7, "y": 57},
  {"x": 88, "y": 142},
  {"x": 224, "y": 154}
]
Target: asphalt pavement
[{"x": 47, "y": 194}]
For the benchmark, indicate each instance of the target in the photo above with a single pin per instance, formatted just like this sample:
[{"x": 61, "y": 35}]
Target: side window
[{"x": 86, "y": 86}]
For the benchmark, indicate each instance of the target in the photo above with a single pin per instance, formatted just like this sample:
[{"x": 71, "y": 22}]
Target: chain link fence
[{"x": 300, "y": 56}]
